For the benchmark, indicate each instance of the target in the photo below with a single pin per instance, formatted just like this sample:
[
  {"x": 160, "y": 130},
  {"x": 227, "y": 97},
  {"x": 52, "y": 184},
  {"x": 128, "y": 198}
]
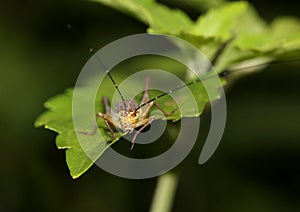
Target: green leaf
[
  {"x": 285, "y": 31},
  {"x": 81, "y": 155},
  {"x": 58, "y": 118},
  {"x": 227, "y": 21},
  {"x": 282, "y": 36},
  {"x": 200, "y": 5},
  {"x": 160, "y": 18}
]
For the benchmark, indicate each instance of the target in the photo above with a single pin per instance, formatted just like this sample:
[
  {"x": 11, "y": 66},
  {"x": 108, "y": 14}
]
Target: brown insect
[{"x": 128, "y": 115}]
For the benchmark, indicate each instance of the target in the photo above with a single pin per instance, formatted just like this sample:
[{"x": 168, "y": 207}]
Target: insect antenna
[
  {"x": 91, "y": 50},
  {"x": 265, "y": 64},
  {"x": 221, "y": 74}
]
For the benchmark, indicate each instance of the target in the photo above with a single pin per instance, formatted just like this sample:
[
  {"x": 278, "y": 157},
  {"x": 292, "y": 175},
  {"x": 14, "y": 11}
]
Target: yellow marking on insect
[{"x": 128, "y": 120}]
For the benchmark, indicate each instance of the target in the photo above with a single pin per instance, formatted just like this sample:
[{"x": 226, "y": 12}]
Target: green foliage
[
  {"x": 200, "y": 5},
  {"x": 253, "y": 39},
  {"x": 160, "y": 18}
]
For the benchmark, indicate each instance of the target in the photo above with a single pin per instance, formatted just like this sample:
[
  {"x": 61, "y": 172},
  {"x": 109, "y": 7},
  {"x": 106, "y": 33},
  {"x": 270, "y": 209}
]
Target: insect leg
[
  {"x": 94, "y": 129},
  {"x": 150, "y": 105},
  {"x": 146, "y": 94},
  {"x": 145, "y": 99},
  {"x": 106, "y": 104},
  {"x": 106, "y": 119},
  {"x": 146, "y": 109},
  {"x": 150, "y": 120},
  {"x": 162, "y": 110}
]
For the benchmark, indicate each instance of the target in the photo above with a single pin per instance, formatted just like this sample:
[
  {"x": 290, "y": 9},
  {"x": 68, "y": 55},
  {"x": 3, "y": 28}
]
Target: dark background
[{"x": 256, "y": 167}]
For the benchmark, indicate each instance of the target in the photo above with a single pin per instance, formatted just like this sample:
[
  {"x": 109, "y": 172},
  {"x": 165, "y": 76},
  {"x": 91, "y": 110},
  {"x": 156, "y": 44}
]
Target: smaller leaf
[
  {"x": 201, "y": 5},
  {"x": 285, "y": 33},
  {"x": 160, "y": 18},
  {"x": 282, "y": 35},
  {"x": 228, "y": 20}
]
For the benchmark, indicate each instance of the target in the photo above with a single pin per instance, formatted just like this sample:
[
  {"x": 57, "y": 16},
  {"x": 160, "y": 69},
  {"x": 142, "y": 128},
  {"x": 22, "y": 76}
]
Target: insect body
[{"x": 128, "y": 116}]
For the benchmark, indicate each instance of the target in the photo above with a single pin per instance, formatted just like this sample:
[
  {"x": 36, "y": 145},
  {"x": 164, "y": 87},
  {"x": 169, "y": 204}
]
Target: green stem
[{"x": 164, "y": 192}]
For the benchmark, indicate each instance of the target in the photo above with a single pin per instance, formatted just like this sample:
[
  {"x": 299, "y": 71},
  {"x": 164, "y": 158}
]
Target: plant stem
[{"x": 164, "y": 193}]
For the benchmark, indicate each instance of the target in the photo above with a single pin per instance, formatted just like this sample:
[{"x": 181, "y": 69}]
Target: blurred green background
[{"x": 256, "y": 167}]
